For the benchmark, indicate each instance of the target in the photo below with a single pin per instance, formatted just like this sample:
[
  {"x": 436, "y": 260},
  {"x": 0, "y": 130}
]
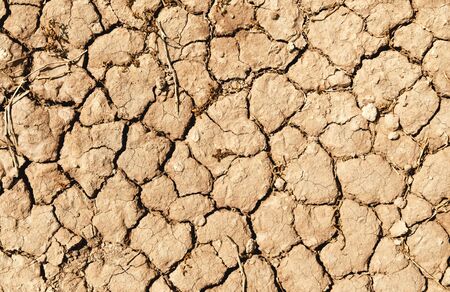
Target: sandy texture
[{"x": 224, "y": 145}]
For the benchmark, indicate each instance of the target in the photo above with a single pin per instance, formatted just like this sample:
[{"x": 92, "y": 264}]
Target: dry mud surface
[{"x": 227, "y": 145}]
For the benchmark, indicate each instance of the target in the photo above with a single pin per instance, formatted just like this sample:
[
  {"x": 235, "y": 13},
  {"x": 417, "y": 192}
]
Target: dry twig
[
  {"x": 241, "y": 267},
  {"x": 9, "y": 133},
  {"x": 163, "y": 37}
]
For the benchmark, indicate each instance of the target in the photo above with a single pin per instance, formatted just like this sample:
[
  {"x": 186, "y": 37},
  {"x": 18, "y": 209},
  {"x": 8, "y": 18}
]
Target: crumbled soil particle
[{"x": 226, "y": 145}]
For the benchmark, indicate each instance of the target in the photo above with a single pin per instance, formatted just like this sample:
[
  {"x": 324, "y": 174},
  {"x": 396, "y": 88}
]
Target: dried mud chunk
[
  {"x": 381, "y": 16},
  {"x": 86, "y": 149},
  {"x": 322, "y": 109},
  {"x": 435, "y": 287},
  {"x": 431, "y": 181},
  {"x": 22, "y": 21},
  {"x": 433, "y": 15},
  {"x": 354, "y": 283},
  {"x": 195, "y": 79},
  {"x": 246, "y": 181},
  {"x": 125, "y": 14},
  {"x": 387, "y": 258},
  {"x": 314, "y": 72},
  {"x": 407, "y": 279},
  {"x": 160, "y": 286},
  {"x": 12, "y": 56},
  {"x": 163, "y": 115},
  {"x": 369, "y": 180},
  {"x": 119, "y": 270},
  {"x": 388, "y": 215},
  {"x": 159, "y": 194},
  {"x": 189, "y": 176},
  {"x": 15, "y": 203},
  {"x": 195, "y": 6},
  {"x": 437, "y": 132},
  {"x": 75, "y": 212},
  {"x": 430, "y": 239},
  {"x": 416, "y": 106},
  {"x": 59, "y": 82},
  {"x": 348, "y": 140},
  {"x": 283, "y": 20},
  {"x": 66, "y": 238},
  {"x": 259, "y": 277},
  {"x": 273, "y": 224},
  {"x": 219, "y": 228},
  {"x": 259, "y": 52},
  {"x": 380, "y": 80},
  {"x": 314, "y": 6},
  {"x": 310, "y": 177},
  {"x": 273, "y": 99},
  {"x": 215, "y": 143},
  {"x": 115, "y": 48},
  {"x": 116, "y": 208},
  {"x": 225, "y": 61},
  {"x": 182, "y": 209},
  {"x": 444, "y": 220},
  {"x": 402, "y": 151},
  {"x": 341, "y": 36},
  {"x": 131, "y": 88},
  {"x": 201, "y": 269},
  {"x": 314, "y": 224},
  {"x": 436, "y": 63},
  {"x": 108, "y": 16},
  {"x": 32, "y": 234},
  {"x": 46, "y": 180},
  {"x": 163, "y": 243},
  {"x": 144, "y": 154},
  {"x": 287, "y": 144},
  {"x": 97, "y": 109},
  {"x": 416, "y": 209},
  {"x": 229, "y": 16},
  {"x": 300, "y": 271},
  {"x": 182, "y": 27},
  {"x": 7, "y": 170},
  {"x": 413, "y": 39},
  {"x": 39, "y": 129},
  {"x": 352, "y": 250},
  {"x": 20, "y": 273},
  {"x": 75, "y": 20}
]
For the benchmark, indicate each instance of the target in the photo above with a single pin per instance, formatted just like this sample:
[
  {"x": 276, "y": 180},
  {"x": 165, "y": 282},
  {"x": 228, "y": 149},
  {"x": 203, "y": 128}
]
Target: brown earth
[{"x": 227, "y": 145}]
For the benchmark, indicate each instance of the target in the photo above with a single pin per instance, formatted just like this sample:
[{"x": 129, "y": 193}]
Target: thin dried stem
[
  {"x": 9, "y": 133},
  {"x": 241, "y": 267},
  {"x": 163, "y": 37}
]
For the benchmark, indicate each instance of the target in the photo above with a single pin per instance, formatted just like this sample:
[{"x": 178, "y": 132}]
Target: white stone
[
  {"x": 369, "y": 112},
  {"x": 398, "y": 229}
]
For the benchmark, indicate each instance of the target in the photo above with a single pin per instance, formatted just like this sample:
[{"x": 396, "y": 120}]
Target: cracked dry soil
[{"x": 227, "y": 145}]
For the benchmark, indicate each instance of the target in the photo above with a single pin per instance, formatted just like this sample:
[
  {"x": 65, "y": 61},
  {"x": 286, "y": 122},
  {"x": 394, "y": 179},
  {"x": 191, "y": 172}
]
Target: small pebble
[
  {"x": 393, "y": 136},
  {"x": 291, "y": 47},
  {"x": 275, "y": 16},
  {"x": 178, "y": 166},
  {"x": 279, "y": 184},
  {"x": 398, "y": 241},
  {"x": 398, "y": 229},
  {"x": 391, "y": 121},
  {"x": 400, "y": 202},
  {"x": 195, "y": 136},
  {"x": 250, "y": 246},
  {"x": 370, "y": 112},
  {"x": 200, "y": 221}
]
